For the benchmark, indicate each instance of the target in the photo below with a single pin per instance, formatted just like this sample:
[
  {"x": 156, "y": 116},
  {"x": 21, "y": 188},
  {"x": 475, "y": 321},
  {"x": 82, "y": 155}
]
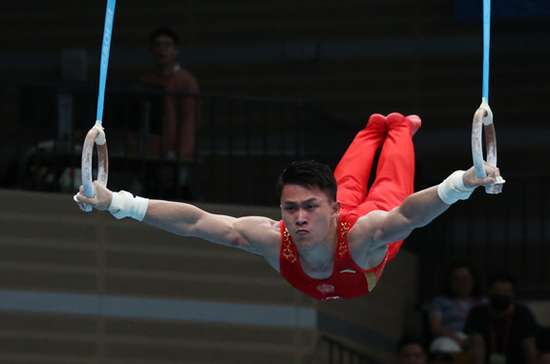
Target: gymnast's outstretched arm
[
  {"x": 380, "y": 228},
  {"x": 252, "y": 233}
]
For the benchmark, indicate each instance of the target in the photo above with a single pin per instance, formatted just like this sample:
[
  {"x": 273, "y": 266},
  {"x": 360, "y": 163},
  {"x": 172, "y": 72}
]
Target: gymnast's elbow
[
  {"x": 402, "y": 230},
  {"x": 419, "y": 223},
  {"x": 235, "y": 240}
]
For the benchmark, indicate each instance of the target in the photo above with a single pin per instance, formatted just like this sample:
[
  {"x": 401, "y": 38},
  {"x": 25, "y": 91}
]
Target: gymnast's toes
[
  {"x": 377, "y": 120},
  {"x": 415, "y": 123}
]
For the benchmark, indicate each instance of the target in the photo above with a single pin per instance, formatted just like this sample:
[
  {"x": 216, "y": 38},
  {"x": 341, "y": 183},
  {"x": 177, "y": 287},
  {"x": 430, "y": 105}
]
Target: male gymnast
[{"x": 335, "y": 237}]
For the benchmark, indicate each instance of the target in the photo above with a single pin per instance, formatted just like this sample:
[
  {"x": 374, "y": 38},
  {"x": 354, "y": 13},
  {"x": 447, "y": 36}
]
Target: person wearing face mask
[{"x": 502, "y": 331}]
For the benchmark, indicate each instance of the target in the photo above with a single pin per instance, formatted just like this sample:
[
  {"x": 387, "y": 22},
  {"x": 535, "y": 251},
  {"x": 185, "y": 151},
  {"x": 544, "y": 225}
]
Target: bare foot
[
  {"x": 378, "y": 121},
  {"x": 397, "y": 119},
  {"x": 415, "y": 123}
]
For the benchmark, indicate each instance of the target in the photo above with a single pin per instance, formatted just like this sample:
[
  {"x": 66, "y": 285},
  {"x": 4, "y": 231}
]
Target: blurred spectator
[
  {"x": 502, "y": 331},
  {"x": 448, "y": 313},
  {"x": 179, "y": 113},
  {"x": 410, "y": 350}
]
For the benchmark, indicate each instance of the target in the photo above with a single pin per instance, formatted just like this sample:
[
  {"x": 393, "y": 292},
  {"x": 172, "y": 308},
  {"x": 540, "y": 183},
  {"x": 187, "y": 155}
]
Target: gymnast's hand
[
  {"x": 101, "y": 201},
  {"x": 493, "y": 179}
]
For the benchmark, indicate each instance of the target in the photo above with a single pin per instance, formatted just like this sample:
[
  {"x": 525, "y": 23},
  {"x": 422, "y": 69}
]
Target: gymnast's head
[{"x": 311, "y": 175}]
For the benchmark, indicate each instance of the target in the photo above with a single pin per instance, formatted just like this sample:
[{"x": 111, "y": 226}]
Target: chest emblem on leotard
[
  {"x": 288, "y": 252},
  {"x": 325, "y": 288},
  {"x": 342, "y": 246}
]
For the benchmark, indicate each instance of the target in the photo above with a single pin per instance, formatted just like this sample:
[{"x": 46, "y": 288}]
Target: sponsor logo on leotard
[
  {"x": 325, "y": 288},
  {"x": 331, "y": 298}
]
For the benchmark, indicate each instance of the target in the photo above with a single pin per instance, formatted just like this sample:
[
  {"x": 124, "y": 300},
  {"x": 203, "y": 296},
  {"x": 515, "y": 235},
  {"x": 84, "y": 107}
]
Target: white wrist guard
[
  {"x": 124, "y": 204},
  {"x": 452, "y": 189}
]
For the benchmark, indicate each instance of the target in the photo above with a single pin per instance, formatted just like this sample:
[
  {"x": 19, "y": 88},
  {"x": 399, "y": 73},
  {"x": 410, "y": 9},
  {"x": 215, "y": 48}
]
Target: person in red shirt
[
  {"x": 179, "y": 112},
  {"x": 336, "y": 234}
]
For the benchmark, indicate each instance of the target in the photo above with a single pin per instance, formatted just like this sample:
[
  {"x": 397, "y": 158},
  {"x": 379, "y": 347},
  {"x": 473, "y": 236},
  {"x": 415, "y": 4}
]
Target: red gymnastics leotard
[{"x": 393, "y": 183}]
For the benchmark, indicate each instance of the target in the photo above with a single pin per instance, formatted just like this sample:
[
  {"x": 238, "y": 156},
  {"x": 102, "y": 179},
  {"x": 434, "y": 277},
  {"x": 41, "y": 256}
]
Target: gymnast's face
[{"x": 308, "y": 214}]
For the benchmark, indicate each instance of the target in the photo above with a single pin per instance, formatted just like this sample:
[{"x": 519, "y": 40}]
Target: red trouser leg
[
  {"x": 394, "y": 176},
  {"x": 354, "y": 169}
]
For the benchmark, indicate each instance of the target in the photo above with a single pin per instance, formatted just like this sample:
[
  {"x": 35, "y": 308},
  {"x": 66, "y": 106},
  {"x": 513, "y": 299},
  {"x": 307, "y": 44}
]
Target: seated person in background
[
  {"x": 179, "y": 113},
  {"x": 502, "y": 331},
  {"x": 410, "y": 350},
  {"x": 448, "y": 313}
]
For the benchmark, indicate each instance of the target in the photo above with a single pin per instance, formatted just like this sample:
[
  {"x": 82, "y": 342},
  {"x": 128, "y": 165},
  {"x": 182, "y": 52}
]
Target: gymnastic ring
[
  {"x": 484, "y": 117},
  {"x": 96, "y": 135}
]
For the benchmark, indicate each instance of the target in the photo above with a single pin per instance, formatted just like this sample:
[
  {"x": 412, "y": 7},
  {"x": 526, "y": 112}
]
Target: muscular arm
[
  {"x": 373, "y": 232},
  {"x": 188, "y": 220},
  {"x": 419, "y": 209},
  {"x": 253, "y": 233}
]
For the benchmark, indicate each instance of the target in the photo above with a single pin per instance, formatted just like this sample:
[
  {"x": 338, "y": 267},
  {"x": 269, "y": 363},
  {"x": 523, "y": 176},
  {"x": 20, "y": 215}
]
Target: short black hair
[
  {"x": 309, "y": 174},
  {"x": 502, "y": 277},
  {"x": 164, "y": 31},
  {"x": 409, "y": 340}
]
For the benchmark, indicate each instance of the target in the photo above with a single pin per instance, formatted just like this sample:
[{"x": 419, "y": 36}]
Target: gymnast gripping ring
[
  {"x": 483, "y": 117},
  {"x": 96, "y": 135}
]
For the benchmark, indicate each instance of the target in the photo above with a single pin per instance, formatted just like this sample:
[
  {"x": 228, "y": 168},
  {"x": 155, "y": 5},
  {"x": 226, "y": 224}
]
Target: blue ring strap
[
  {"x": 105, "y": 48},
  {"x": 486, "y": 46}
]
